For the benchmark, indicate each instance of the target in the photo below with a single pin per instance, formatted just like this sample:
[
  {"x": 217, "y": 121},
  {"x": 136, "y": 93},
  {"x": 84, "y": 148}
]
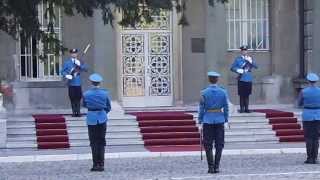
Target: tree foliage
[{"x": 19, "y": 18}]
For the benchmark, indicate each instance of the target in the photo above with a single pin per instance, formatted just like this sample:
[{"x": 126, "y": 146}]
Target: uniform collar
[
  {"x": 95, "y": 87},
  {"x": 213, "y": 85}
]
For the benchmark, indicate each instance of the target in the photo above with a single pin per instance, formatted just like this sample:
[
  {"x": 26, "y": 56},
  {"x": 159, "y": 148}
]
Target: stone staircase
[
  {"x": 121, "y": 130},
  {"x": 252, "y": 127},
  {"x": 249, "y": 128}
]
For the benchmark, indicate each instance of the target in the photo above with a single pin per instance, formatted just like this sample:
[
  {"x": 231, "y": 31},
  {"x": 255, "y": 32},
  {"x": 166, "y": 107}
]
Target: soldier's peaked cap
[
  {"x": 73, "y": 50},
  {"x": 244, "y": 47},
  {"x": 95, "y": 77},
  {"x": 312, "y": 77},
  {"x": 213, "y": 74}
]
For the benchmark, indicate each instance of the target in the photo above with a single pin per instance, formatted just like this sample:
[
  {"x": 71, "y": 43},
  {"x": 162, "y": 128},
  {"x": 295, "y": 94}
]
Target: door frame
[{"x": 175, "y": 63}]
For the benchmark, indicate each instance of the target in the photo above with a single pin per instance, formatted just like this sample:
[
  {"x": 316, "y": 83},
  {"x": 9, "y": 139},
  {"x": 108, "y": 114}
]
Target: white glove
[
  {"x": 249, "y": 59},
  {"x": 226, "y": 125},
  {"x": 77, "y": 62},
  {"x": 240, "y": 71},
  {"x": 68, "y": 76}
]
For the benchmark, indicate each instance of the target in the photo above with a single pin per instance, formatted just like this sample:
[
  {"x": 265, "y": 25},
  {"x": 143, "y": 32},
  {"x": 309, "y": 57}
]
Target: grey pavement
[{"x": 243, "y": 167}]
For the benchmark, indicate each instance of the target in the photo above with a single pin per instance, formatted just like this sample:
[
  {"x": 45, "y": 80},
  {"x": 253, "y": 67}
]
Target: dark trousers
[
  {"x": 244, "y": 103},
  {"x": 311, "y": 135},
  {"x": 244, "y": 91},
  {"x": 213, "y": 132},
  {"x": 75, "y": 95},
  {"x": 97, "y": 138}
]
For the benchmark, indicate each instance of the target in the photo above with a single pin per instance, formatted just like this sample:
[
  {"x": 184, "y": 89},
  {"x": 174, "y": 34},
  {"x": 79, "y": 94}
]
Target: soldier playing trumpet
[
  {"x": 243, "y": 66},
  {"x": 71, "y": 71}
]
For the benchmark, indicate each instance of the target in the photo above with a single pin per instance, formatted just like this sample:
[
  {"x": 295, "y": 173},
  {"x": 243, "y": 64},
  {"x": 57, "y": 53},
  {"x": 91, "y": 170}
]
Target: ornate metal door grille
[{"x": 146, "y": 60}]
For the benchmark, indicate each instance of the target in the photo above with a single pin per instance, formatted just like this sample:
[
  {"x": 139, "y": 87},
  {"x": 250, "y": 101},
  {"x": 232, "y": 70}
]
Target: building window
[
  {"x": 248, "y": 24},
  {"x": 32, "y": 68}
]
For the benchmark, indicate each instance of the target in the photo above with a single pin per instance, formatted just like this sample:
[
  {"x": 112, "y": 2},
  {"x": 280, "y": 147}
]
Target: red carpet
[
  {"x": 51, "y": 131},
  {"x": 284, "y": 124},
  {"x": 168, "y": 131}
]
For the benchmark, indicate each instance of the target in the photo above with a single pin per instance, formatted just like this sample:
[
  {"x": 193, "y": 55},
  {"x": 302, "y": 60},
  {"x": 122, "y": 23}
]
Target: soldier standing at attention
[
  {"x": 97, "y": 101},
  {"x": 213, "y": 116},
  {"x": 72, "y": 68},
  {"x": 243, "y": 65},
  {"x": 309, "y": 98}
]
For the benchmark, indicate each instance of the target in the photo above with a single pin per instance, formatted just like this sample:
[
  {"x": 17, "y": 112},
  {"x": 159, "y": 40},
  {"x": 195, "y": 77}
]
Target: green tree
[{"x": 19, "y": 18}]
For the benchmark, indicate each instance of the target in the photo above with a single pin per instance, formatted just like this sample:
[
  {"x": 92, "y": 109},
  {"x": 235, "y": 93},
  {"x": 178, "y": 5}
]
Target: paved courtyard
[{"x": 234, "y": 167}]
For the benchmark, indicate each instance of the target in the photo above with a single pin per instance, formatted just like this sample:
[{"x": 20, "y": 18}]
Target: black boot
[
  {"x": 209, "y": 156},
  {"x": 315, "y": 151},
  {"x": 309, "y": 147},
  {"x": 95, "y": 158},
  {"x": 101, "y": 158},
  {"x": 73, "y": 107},
  {"x": 217, "y": 160},
  {"x": 78, "y": 114},
  {"x": 246, "y": 105},
  {"x": 242, "y": 104}
]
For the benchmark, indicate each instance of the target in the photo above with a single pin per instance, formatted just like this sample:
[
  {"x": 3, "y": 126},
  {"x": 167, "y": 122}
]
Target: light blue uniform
[
  {"x": 98, "y": 103},
  {"x": 67, "y": 67},
  {"x": 213, "y": 97},
  {"x": 241, "y": 63},
  {"x": 309, "y": 98}
]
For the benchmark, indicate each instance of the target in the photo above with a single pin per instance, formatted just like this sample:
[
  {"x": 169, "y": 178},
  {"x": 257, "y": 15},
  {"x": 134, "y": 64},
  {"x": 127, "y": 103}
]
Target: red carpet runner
[
  {"x": 284, "y": 124},
  {"x": 51, "y": 132},
  {"x": 168, "y": 131}
]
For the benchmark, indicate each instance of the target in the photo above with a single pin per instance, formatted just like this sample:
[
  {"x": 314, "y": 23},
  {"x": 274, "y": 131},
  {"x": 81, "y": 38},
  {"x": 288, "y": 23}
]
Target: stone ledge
[{"x": 39, "y": 84}]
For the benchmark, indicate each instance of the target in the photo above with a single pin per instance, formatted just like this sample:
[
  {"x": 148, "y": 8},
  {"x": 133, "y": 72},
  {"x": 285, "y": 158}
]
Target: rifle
[{"x": 76, "y": 70}]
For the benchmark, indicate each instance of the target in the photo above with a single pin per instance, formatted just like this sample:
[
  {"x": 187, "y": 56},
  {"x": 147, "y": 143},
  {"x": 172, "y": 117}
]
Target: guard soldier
[
  {"x": 213, "y": 116},
  {"x": 98, "y": 103},
  {"x": 71, "y": 71},
  {"x": 309, "y": 99},
  {"x": 243, "y": 66}
]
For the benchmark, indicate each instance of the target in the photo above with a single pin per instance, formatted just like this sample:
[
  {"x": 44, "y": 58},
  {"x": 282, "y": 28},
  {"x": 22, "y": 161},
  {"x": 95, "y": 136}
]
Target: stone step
[
  {"x": 20, "y": 124},
  {"x": 29, "y": 137},
  {"x": 133, "y": 135},
  {"x": 240, "y": 116},
  {"x": 30, "y": 119},
  {"x": 115, "y": 128},
  {"x": 110, "y": 142},
  {"x": 250, "y": 132},
  {"x": 252, "y": 139},
  {"x": 31, "y": 130},
  {"x": 110, "y": 123},
  {"x": 71, "y": 124},
  {"x": 25, "y": 124},
  {"x": 244, "y": 127},
  {"x": 25, "y": 144},
  {"x": 115, "y": 142},
  {"x": 74, "y": 143},
  {"x": 83, "y": 118},
  {"x": 252, "y": 121}
]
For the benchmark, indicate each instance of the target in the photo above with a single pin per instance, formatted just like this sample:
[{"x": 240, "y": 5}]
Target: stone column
[{"x": 3, "y": 124}]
